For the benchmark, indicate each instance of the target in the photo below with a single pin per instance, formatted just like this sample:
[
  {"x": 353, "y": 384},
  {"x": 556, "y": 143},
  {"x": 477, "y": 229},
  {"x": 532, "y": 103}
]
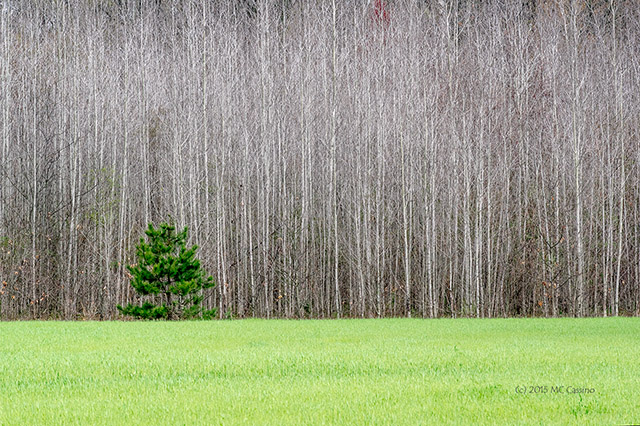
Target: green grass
[{"x": 391, "y": 371}]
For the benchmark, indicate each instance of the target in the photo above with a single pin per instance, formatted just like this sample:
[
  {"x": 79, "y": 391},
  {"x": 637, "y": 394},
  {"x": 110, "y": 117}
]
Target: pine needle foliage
[{"x": 169, "y": 269}]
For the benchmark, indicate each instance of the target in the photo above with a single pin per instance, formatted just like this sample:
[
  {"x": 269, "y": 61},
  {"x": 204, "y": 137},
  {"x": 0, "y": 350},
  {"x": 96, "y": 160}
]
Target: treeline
[{"x": 331, "y": 159}]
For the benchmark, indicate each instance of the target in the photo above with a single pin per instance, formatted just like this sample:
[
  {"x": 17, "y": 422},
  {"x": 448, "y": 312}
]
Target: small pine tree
[{"x": 166, "y": 267}]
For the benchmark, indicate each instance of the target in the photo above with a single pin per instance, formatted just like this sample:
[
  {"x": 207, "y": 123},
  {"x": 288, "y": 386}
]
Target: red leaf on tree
[{"x": 381, "y": 13}]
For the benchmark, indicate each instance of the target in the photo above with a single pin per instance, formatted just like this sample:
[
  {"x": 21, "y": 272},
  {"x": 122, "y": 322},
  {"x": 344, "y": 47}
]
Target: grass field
[{"x": 390, "y": 371}]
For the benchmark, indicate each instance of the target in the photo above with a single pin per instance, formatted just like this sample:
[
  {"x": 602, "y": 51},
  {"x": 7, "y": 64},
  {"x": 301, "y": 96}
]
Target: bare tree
[{"x": 330, "y": 158}]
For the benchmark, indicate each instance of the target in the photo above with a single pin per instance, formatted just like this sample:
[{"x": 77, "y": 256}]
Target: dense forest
[{"x": 330, "y": 158}]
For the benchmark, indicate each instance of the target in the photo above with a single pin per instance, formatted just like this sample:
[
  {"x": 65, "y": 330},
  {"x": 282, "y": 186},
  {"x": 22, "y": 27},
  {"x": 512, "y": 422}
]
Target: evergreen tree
[{"x": 166, "y": 267}]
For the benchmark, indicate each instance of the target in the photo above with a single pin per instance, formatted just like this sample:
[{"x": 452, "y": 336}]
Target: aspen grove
[{"x": 330, "y": 158}]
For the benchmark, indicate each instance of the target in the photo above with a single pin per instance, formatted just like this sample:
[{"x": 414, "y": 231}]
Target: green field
[{"x": 390, "y": 371}]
